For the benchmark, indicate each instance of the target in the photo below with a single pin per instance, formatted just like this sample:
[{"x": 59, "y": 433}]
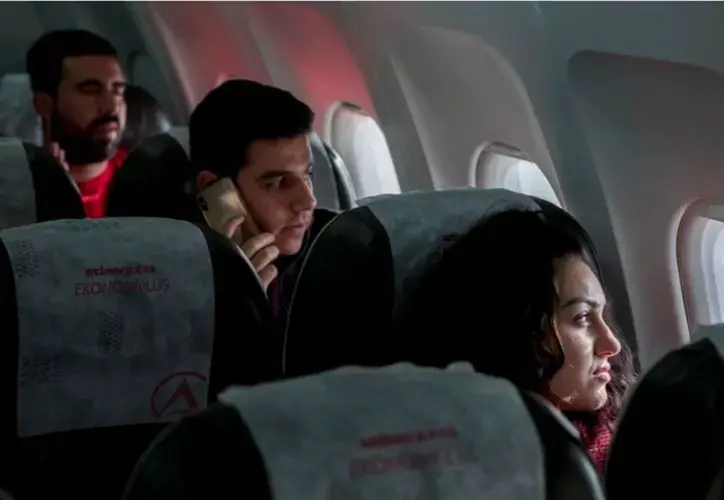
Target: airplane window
[
  {"x": 498, "y": 165},
  {"x": 359, "y": 140},
  {"x": 701, "y": 261}
]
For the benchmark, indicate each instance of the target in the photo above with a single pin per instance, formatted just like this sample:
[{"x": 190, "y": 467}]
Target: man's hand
[
  {"x": 54, "y": 149},
  {"x": 260, "y": 250}
]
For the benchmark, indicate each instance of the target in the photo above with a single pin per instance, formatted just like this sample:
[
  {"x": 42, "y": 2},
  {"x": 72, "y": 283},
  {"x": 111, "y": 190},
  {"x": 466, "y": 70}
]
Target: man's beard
[{"x": 81, "y": 147}]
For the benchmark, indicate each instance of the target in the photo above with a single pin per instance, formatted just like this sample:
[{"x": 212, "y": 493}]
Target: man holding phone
[
  {"x": 78, "y": 92},
  {"x": 252, "y": 164}
]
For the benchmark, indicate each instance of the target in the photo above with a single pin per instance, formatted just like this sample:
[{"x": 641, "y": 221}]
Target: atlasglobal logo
[
  {"x": 120, "y": 270},
  {"x": 116, "y": 284}
]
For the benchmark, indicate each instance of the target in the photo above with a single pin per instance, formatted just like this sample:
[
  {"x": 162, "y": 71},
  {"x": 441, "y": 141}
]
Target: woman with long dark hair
[{"x": 519, "y": 297}]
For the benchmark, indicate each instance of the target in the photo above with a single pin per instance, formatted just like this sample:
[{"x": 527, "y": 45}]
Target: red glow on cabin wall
[
  {"x": 292, "y": 45},
  {"x": 312, "y": 56}
]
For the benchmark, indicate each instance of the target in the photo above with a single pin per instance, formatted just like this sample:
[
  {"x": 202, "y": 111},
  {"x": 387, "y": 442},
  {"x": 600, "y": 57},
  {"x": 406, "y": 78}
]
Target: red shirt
[{"x": 95, "y": 191}]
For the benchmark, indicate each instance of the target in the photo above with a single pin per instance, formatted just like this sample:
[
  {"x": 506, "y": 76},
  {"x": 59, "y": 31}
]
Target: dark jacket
[{"x": 281, "y": 289}]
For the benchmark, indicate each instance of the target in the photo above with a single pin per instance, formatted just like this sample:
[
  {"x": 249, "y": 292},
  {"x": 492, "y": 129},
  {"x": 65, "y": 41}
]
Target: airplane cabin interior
[{"x": 428, "y": 118}]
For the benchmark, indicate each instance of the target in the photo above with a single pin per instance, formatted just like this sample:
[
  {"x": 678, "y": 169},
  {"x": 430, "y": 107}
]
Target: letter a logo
[{"x": 179, "y": 394}]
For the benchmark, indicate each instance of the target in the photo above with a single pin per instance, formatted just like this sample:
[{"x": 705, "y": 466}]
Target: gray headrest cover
[
  {"x": 181, "y": 134},
  {"x": 116, "y": 322},
  {"x": 17, "y": 192},
  {"x": 17, "y": 115},
  {"x": 398, "y": 432},
  {"x": 417, "y": 221},
  {"x": 714, "y": 333}
]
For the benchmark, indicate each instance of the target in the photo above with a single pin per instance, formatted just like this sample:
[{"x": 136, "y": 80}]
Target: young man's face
[
  {"x": 276, "y": 186},
  {"x": 89, "y": 112}
]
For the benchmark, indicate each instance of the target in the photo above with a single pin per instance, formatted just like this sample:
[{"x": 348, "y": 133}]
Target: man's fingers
[
  {"x": 232, "y": 225},
  {"x": 267, "y": 275},
  {"x": 265, "y": 257},
  {"x": 253, "y": 245}
]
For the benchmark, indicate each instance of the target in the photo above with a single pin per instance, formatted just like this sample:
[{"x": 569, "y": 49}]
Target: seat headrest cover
[
  {"x": 416, "y": 222},
  {"x": 325, "y": 186},
  {"x": 715, "y": 333},
  {"x": 17, "y": 192},
  {"x": 181, "y": 134},
  {"x": 144, "y": 117},
  {"x": 153, "y": 183},
  {"x": 107, "y": 311},
  {"x": 681, "y": 397},
  {"x": 397, "y": 432},
  {"x": 17, "y": 115},
  {"x": 364, "y": 268}
]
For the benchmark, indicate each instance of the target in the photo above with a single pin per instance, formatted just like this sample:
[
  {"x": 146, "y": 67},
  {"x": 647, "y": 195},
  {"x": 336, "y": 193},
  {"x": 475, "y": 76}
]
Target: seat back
[
  {"x": 361, "y": 142},
  {"x": 396, "y": 432},
  {"x": 669, "y": 441},
  {"x": 113, "y": 328},
  {"x": 332, "y": 183},
  {"x": 17, "y": 116},
  {"x": 34, "y": 187},
  {"x": 361, "y": 270},
  {"x": 144, "y": 117},
  {"x": 154, "y": 180}
]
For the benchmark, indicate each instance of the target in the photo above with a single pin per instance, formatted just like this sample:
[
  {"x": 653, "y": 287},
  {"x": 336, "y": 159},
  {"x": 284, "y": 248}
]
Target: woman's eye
[{"x": 581, "y": 318}]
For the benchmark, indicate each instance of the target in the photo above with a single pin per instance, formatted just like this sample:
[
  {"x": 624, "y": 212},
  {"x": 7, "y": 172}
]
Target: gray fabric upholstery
[
  {"x": 416, "y": 222},
  {"x": 110, "y": 330},
  {"x": 181, "y": 134},
  {"x": 144, "y": 117},
  {"x": 332, "y": 185},
  {"x": 17, "y": 115},
  {"x": 17, "y": 198},
  {"x": 715, "y": 333},
  {"x": 363, "y": 266},
  {"x": 366, "y": 434},
  {"x": 33, "y": 186}
]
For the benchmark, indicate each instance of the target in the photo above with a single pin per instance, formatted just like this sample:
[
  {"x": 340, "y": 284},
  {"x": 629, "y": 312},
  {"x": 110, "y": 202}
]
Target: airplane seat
[
  {"x": 332, "y": 183},
  {"x": 354, "y": 287},
  {"x": 113, "y": 328},
  {"x": 669, "y": 440},
  {"x": 395, "y": 432},
  {"x": 34, "y": 187},
  {"x": 17, "y": 115},
  {"x": 144, "y": 117},
  {"x": 154, "y": 180},
  {"x": 566, "y": 220}
]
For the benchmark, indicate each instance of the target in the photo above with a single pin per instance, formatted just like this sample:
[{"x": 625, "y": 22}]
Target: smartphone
[{"x": 220, "y": 202}]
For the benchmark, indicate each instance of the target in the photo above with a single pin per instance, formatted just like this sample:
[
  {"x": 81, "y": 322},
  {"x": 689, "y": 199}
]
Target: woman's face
[{"x": 586, "y": 339}]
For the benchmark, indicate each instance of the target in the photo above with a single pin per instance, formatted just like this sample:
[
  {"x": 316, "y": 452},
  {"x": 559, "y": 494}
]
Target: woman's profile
[{"x": 518, "y": 296}]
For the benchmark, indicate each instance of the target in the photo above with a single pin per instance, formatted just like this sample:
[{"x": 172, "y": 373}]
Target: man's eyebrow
[
  {"x": 93, "y": 82},
  {"x": 89, "y": 82},
  {"x": 273, "y": 174}
]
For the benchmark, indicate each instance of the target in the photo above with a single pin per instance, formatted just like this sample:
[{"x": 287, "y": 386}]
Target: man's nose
[
  {"x": 305, "y": 199},
  {"x": 110, "y": 103}
]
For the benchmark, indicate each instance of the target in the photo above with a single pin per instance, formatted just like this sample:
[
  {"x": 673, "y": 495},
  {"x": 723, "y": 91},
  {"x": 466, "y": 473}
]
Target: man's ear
[
  {"x": 204, "y": 178},
  {"x": 43, "y": 104}
]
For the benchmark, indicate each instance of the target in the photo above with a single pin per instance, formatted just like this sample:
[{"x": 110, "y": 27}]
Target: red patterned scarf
[{"x": 595, "y": 435}]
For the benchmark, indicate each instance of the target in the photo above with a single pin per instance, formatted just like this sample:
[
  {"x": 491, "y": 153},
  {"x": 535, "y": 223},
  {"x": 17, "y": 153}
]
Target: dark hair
[
  {"x": 493, "y": 294},
  {"x": 237, "y": 113},
  {"x": 44, "y": 60},
  {"x": 144, "y": 117}
]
